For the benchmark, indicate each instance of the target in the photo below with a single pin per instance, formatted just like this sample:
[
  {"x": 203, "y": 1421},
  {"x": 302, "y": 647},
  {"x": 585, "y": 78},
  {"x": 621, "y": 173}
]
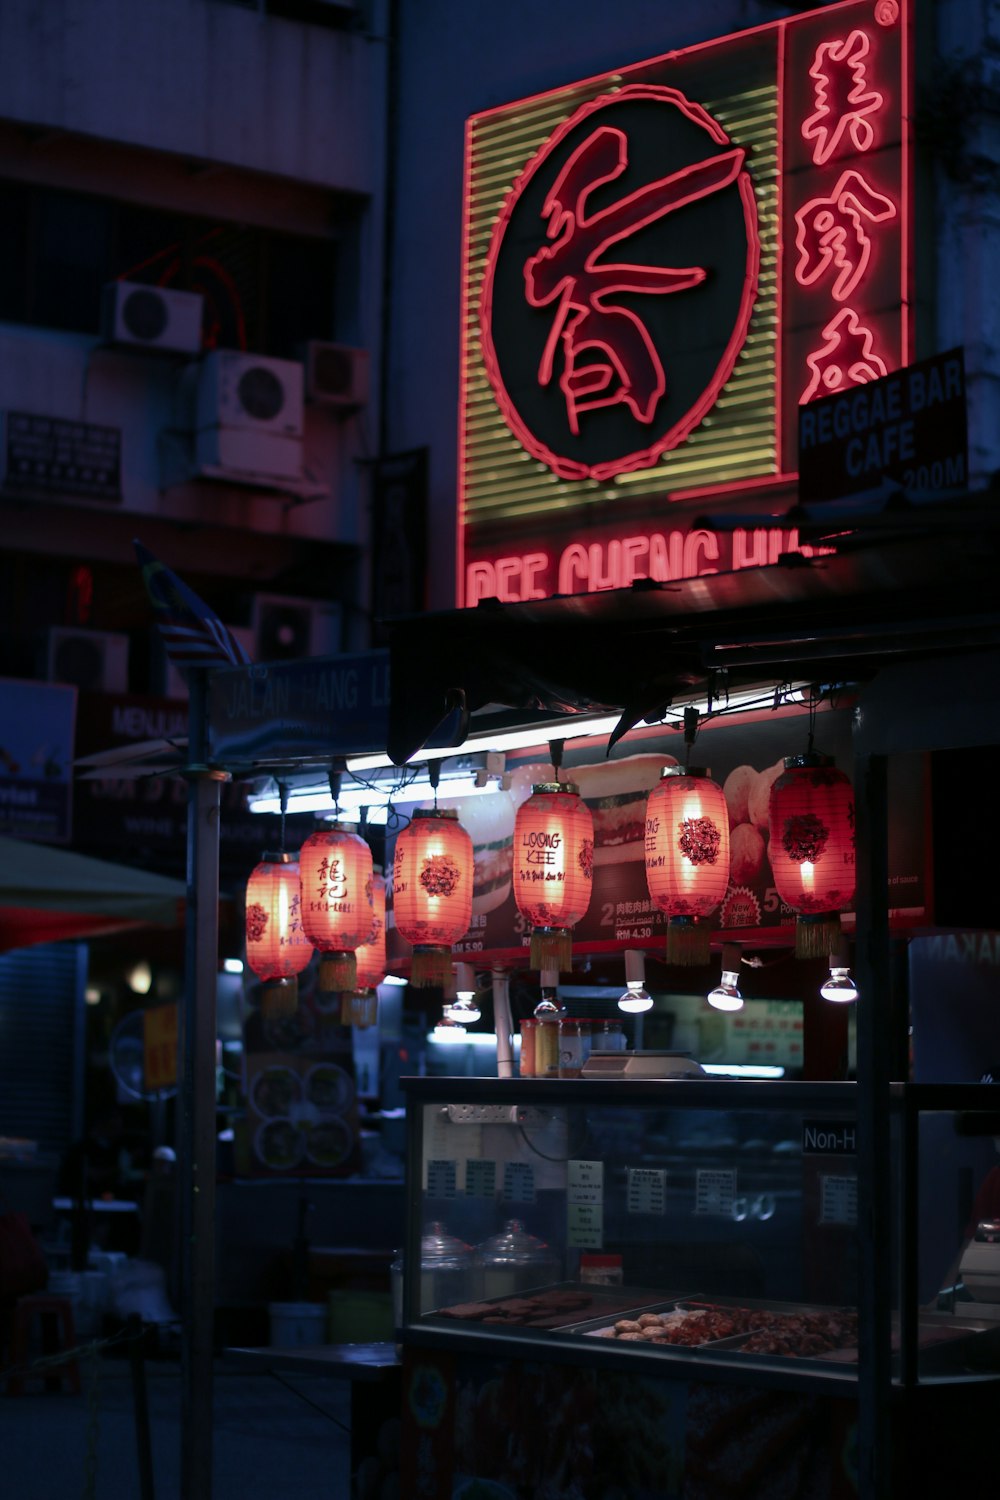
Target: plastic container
[
  {"x": 540, "y": 1046},
  {"x": 608, "y": 1036},
  {"x": 574, "y": 1046},
  {"x": 450, "y": 1272},
  {"x": 297, "y": 1325},
  {"x": 515, "y": 1261}
]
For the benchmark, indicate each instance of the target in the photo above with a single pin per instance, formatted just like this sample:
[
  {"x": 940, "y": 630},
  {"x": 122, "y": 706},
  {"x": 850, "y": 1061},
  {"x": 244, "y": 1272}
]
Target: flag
[{"x": 192, "y": 635}]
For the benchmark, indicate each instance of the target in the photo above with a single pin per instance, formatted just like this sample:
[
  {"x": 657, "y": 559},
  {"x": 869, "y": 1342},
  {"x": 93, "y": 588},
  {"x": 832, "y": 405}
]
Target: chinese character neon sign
[
  {"x": 702, "y": 243},
  {"x": 590, "y": 299}
]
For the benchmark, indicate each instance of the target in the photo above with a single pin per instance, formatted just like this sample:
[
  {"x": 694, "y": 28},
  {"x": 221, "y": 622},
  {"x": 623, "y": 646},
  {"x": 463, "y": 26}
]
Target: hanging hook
[
  {"x": 283, "y": 807},
  {"x": 556, "y": 755},
  {"x": 434, "y": 777},
  {"x": 691, "y": 722},
  {"x": 815, "y": 697},
  {"x": 335, "y": 780}
]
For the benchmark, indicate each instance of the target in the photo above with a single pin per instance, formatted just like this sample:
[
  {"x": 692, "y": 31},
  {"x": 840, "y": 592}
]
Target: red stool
[{"x": 58, "y": 1332}]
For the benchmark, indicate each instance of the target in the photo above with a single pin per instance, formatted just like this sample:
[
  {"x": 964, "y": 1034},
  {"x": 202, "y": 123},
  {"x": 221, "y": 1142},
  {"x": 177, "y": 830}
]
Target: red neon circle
[{"x": 569, "y": 468}]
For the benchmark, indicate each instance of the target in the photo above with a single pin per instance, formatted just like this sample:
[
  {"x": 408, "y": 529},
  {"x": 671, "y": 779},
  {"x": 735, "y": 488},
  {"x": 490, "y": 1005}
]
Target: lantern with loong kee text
[
  {"x": 277, "y": 947},
  {"x": 687, "y": 857},
  {"x": 335, "y": 867},
  {"x": 553, "y": 869},
  {"x": 811, "y": 849},
  {"x": 432, "y": 877}
]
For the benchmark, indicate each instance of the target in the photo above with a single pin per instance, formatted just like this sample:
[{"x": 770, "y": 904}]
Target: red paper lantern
[
  {"x": 336, "y": 875},
  {"x": 553, "y": 869},
  {"x": 687, "y": 857},
  {"x": 432, "y": 877},
  {"x": 277, "y": 947},
  {"x": 811, "y": 849},
  {"x": 361, "y": 1008}
]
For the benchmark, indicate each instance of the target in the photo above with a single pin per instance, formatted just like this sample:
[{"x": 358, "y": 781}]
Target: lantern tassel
[
  {"x": 432, "y": 968},
  {"x": 817, "y": 936},
  {"x": 360, "y": 1009},
  {"x": 689, "y": 942},
  {"x": 279, "y": 998},
  {"x": 337, "y": 971},
  {"x": 552, "y": 948}
]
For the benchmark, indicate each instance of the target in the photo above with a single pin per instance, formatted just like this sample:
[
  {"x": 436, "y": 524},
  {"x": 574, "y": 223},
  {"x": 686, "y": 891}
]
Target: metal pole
[
  {"x": 197, "y": 1098},
  {"x": 140, "y": 1404},
  {"x": 502, "y": 1024},
  {"x": 874, "y": 1157}
]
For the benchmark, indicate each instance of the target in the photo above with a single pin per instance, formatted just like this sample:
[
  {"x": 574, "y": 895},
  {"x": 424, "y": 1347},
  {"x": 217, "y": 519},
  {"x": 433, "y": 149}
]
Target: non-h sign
[
  {"x": 909, "y": 427},
  {"x": 829, "y": 1138}
]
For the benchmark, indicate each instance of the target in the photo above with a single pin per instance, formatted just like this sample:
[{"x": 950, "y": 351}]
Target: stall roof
[
  {"x": 893, "y": 582},
  {"x": 48, "y": 894}
]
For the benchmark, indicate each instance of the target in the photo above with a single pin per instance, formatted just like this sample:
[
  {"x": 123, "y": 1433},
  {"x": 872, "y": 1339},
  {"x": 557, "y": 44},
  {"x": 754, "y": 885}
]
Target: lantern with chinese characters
[
  {"x": 335, "y": 868},
  {"x": 553, "y": 869},
  {"x": 811, "y": 849},
  {"x": 277, "y": 947},
  {"x": 432, "y": 877},
  {"x": 687, "y": 857},
  {"x": 360, "y": 1007}
]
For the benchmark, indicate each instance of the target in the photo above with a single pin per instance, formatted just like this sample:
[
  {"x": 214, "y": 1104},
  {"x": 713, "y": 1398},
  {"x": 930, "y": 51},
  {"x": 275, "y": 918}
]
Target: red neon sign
[
  {"x": 846, "y": 357},
  {"x": 573, "y": 272},
  {"x": 843, "y": 98},
  {"x": 579, "y": 271},
  {"x": 830, "y": 234},
  {"x": 609, "y": 356}
]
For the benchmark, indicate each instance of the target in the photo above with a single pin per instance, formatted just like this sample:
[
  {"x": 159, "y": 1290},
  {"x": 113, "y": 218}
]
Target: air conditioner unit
[
  {"x": 336, "y": 375},
  {"x": 151, "y": 317},
  {"x": 95, "y": 661},
  {"x": 249, "y": 392},
  {"x": 248, "y": 417},
  {"x": 288, "y": 629}
]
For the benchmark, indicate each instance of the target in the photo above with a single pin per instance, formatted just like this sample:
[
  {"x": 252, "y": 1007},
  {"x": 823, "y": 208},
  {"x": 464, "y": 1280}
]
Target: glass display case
[{"x": 622, "y": 1220}]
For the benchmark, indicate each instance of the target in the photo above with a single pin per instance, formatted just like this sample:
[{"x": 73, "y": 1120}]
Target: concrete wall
[
  {"x": 208, "y": 80},
  {"x": 205, "y": 108}
]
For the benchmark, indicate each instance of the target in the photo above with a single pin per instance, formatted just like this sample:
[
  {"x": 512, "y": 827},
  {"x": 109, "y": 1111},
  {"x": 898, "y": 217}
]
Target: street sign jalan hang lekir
[{"x": 315, "y": 710}]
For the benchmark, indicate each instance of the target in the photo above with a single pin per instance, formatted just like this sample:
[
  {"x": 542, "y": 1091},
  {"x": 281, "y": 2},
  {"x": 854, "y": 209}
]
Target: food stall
[{"x": 785, "y": 1218}]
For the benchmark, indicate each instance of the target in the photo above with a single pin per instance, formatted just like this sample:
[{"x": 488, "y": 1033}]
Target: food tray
[
  {"x": 945, "y": 1345},
  {"x": 683, "y": 1306},
  {"x": 605, "y": 1302}
]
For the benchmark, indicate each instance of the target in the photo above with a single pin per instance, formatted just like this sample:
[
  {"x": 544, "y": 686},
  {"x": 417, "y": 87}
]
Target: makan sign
[{"x": 661, "y": 265}]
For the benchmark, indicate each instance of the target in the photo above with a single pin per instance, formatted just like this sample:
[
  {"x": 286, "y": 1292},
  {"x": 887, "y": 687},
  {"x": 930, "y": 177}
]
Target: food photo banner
[
  {"x": 745, "y": 758},
  {"x": 660, "y": 265}
]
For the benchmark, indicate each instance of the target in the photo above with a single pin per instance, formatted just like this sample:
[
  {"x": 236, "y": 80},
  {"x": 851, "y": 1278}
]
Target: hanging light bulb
[
  {"x": 463, "y": 1010},
  {"x": 838, "y": 985},
  {"x": 726, "y": 995},
  {"x": 636, "y": 998},
  {"x": 548, "y": 1007}
]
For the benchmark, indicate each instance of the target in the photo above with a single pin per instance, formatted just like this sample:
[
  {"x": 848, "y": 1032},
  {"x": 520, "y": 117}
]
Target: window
[{"x": 263, "y": 290}]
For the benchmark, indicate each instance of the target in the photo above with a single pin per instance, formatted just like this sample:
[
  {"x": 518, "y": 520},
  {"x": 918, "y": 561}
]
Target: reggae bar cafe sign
[
  {"x": 909, "y": 427},
  {"x": 661, "y": 266}
]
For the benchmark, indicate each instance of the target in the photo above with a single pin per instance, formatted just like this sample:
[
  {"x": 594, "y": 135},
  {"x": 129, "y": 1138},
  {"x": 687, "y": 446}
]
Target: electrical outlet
[
  {"x": 497, "y": 1114},
  {"x": 482, "y": 1114}
]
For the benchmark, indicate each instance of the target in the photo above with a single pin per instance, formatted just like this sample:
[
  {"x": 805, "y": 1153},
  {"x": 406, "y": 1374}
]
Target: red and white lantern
[
  {"x": 687, "y": 857},
  {"x": 553, "y": 869},
  {"x": 335, "y": 867},
  {"x": 361, "y": 1007},
  {"x": 277, "y": 947},
  {"x": 811, "y": 849},
  {"x": 432, "y": 877}
]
